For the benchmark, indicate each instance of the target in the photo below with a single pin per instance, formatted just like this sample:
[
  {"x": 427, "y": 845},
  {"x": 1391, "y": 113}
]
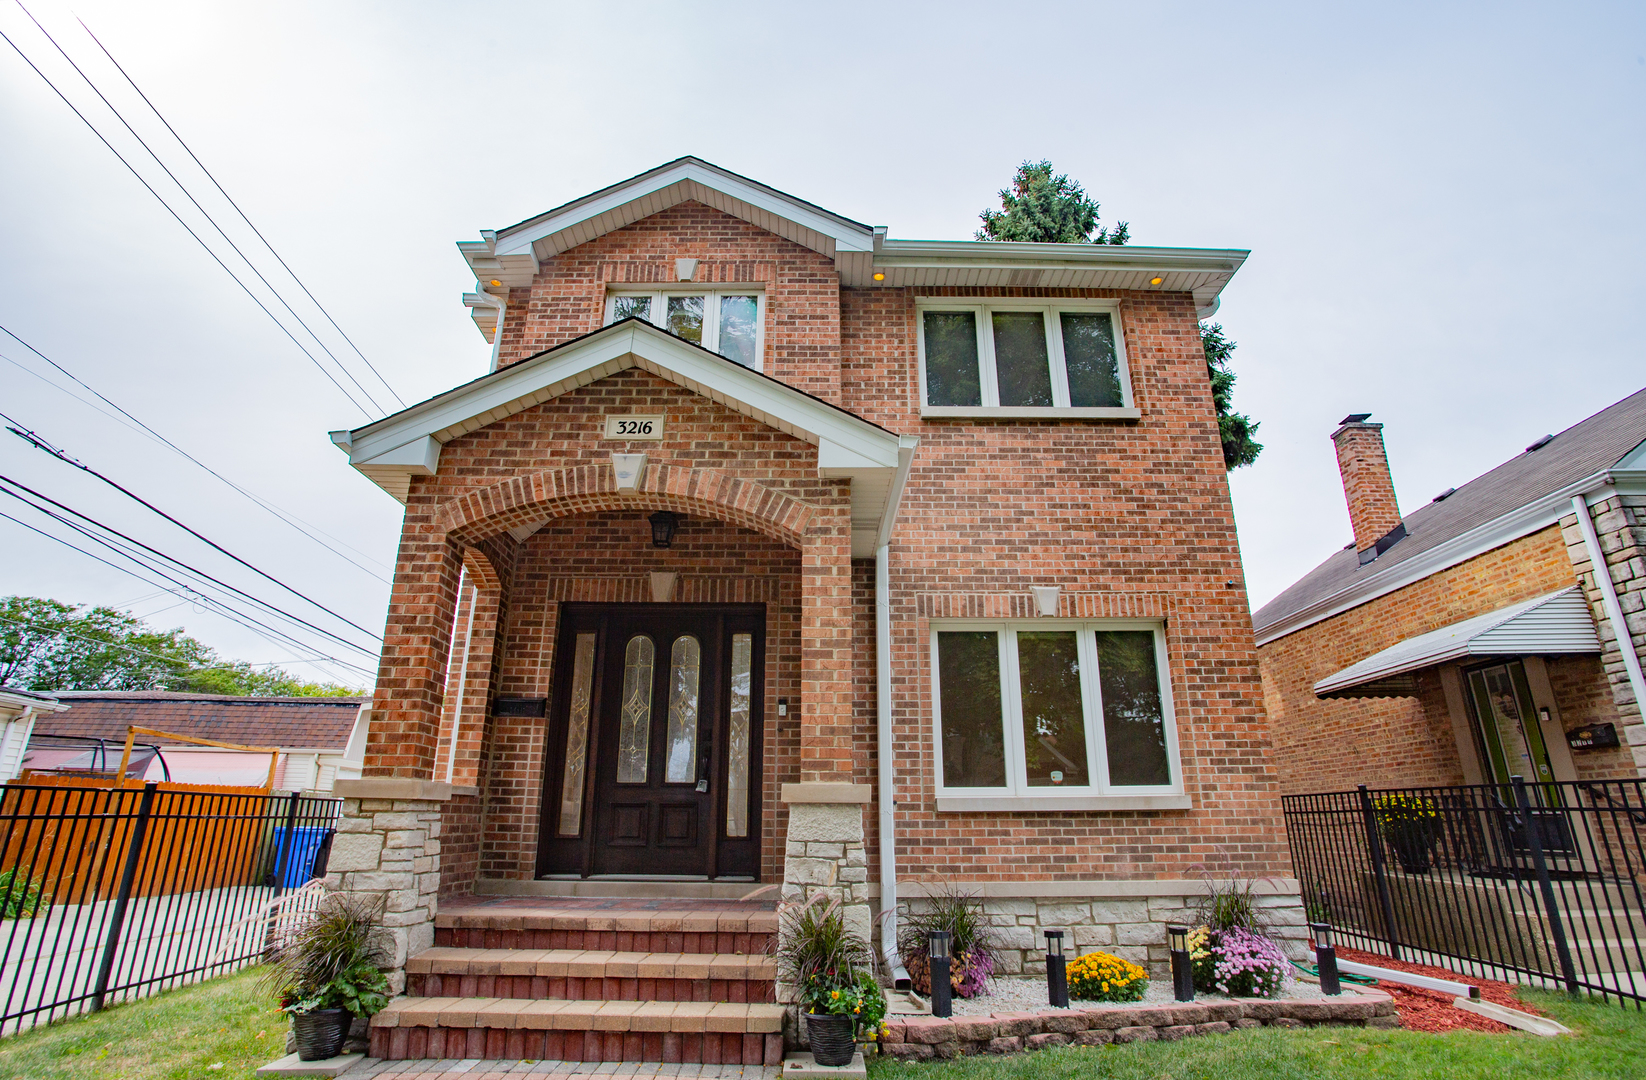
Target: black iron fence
[
  {"x": 111, "y": 893},
  {"x": 1545, "y": 882}
]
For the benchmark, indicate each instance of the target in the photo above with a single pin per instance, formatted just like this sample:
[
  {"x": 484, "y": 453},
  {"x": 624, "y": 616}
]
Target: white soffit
[
  {"x": 393, "y": 450},
  {"x": 1557, "y": 624}
]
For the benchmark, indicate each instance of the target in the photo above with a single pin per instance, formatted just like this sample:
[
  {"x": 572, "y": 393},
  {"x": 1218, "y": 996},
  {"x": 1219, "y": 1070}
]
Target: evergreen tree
[
  {"x": 1237, "y": 430},
  {"x": 1041, "y": 208}
]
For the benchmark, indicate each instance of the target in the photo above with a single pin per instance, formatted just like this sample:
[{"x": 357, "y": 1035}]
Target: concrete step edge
[
  {"x": 591, "y": 963},
  {"x": 615, "y": 1016}
]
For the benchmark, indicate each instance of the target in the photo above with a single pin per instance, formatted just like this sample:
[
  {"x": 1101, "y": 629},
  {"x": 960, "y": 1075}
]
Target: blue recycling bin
[{"x": 307, "y": 842}]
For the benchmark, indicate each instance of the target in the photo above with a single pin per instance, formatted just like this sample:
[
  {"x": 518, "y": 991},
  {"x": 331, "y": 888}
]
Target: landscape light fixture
[
  {"x": 1057, "y": 972},
  {"x": 664, "y": 525},
  {"x": 937, "y": 950},
  {"x": 1177, "y": 942},
  {"x": 1326, "y": 958}
]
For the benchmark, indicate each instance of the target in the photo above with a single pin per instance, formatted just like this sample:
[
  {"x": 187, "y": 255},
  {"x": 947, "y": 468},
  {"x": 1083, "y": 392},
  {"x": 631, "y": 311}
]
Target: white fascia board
[
  {"x": 1020, "y": 255},
  {"x": 846, "y": 234},
  {"x": 1522, "y": 521}
]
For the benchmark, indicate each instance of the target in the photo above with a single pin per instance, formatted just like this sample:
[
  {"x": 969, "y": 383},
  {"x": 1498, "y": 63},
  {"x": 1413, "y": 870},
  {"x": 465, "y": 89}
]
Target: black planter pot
[
  {"x": 831, "y": 1038},
  {"x": 320, "y": 1034},
  {"x": 1412, "y": 844}
]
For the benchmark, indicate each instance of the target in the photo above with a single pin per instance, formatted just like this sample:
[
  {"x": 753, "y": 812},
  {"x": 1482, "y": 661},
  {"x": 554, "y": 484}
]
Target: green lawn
[
  {"x": 1610, "y": 1042},
  {"x": 216, "y": 1030}
]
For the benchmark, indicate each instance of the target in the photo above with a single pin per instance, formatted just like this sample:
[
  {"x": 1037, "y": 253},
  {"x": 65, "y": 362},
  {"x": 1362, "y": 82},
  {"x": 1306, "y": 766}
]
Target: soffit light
[
  {"x": 1156, "y": 280},
  {"x": 495, "y": 283},
  {"x": 880, "y": 275}
]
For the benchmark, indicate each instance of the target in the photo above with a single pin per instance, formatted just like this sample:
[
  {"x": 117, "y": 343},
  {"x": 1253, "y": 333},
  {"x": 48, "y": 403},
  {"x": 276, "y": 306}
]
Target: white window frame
[
  {"x": 1017, "y": 795},
  {"x": 711, "y": 311},
  {"x": 1060, "y": 409}
]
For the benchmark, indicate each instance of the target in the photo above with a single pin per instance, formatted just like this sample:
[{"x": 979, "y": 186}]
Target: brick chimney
[{"x": 1366, "y": 483}]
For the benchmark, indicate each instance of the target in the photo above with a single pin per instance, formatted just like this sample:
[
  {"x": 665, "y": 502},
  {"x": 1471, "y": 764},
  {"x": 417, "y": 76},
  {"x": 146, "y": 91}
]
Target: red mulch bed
[{"x": 1429, "y": 1010}]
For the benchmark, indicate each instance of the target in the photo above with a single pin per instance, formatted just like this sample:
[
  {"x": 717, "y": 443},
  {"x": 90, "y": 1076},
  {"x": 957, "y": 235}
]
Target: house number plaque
[{"x": 634, "y": 426}]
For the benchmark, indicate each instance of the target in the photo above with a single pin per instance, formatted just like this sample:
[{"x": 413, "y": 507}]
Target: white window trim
[
  {"x": 711, "y": 310},
  {"x": 1018, "y": 795},
  {"x": 1060, "y": 409}
]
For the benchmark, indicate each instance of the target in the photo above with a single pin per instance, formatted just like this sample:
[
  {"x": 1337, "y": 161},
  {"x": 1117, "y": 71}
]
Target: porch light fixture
[
  {"x": 880, "y": 275},
  {"x": 1156, "y": 280},
  {"x": 1326, "y": 958},
  {"x": 937, "y": 950},
  {"x": 1177, "y": 943},
  {"x": 1057, "y": 972},
  {"x": 495, "y": 283},
  {"x": 664, "y": 526}
]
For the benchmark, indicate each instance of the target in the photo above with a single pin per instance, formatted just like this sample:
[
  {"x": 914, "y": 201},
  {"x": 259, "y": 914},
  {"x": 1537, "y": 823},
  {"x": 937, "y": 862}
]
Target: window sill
[
  {"x": 1001, "y": 412},
  {"x": 974, "y": 804}
]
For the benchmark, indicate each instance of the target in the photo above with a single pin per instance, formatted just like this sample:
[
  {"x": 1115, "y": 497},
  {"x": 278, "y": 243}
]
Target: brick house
[
  {"x": 774, "y": 552},
  {"x": 1471, "y": 640}
]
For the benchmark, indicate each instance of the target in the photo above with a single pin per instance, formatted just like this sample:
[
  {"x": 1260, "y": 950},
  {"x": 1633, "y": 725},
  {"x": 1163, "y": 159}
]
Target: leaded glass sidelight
[
  {"x": 577, "y": 738},
  {"x": 685, "y": 672},
  {"x": 634, "y": 734},
  {"x": 739, "y": 735}
]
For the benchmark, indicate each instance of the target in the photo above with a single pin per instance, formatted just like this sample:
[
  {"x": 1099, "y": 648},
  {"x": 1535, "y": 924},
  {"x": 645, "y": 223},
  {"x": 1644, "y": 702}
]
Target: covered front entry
[{"x": 653, "y": 754}]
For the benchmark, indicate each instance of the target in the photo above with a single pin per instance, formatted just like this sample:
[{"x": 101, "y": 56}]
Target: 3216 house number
[{"x": 634, "y": 426}]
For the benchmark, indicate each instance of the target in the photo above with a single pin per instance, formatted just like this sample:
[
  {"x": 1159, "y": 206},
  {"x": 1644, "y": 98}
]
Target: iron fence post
[
  {"x": 117, "y": 921},
  {"x": 283, "y": 855},
  {"x": 1374, "y": 844},
  {"x": 1545, "y": 885}
]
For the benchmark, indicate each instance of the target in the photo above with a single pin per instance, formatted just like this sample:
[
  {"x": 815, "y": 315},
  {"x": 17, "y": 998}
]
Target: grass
[
  {"x": 224, "y": 1029},
  {"x": 1610, "y": 1042}
]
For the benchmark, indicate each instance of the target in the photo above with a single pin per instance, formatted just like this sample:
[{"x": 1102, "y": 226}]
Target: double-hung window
[
  {"x": 730, "y": 322},
  {"x": 1039, "y": 358},
  {"x": 1054, "y": 715}
]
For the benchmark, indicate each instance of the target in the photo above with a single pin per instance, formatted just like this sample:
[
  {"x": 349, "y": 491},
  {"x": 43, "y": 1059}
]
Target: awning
[{"x": 1555, "y": 624}]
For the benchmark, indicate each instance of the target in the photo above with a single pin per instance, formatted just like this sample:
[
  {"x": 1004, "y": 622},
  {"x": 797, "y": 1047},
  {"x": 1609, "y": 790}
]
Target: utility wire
[
  {"x": 197, "y": 239},
  {"x": 41, "y": 444},
  {"x": 283, "y": 516},
  {"x": 241, "y": 212}
]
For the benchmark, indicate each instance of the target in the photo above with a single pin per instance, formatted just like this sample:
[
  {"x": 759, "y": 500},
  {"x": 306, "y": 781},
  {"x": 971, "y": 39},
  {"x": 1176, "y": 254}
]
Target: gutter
[
  {"x": 885, "y": 773},
  {"x": 1609, "y": 602}
]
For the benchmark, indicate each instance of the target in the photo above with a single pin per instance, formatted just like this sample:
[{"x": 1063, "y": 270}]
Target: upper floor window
[
  {"x": 727, "y": 321},
  {"x": 1023, "y": 358}
]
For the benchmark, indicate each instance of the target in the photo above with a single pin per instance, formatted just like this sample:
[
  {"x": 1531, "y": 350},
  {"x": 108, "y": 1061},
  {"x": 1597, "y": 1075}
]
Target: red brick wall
[{"x": 1584, "y": 697}]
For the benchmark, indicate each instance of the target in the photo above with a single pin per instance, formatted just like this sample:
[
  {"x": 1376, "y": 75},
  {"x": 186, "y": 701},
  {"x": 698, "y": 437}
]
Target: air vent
[
  {"x": 1541, "y": 443},
  {"x": 1444, "y": 495}
]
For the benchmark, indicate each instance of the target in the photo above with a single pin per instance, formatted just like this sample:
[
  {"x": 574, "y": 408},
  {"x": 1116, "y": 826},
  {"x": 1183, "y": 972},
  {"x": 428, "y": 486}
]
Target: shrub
[
  {"x": 1236, "y": 962},
  {"x": 1100, "y": 977},
  {"x": 971, "y": 952},
  {"x": 20, "y": 897}
]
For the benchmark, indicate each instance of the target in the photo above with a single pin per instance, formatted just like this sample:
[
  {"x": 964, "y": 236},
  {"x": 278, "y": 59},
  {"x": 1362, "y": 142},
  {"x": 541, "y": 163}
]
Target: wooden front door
[{"x": 654, "y": 742}]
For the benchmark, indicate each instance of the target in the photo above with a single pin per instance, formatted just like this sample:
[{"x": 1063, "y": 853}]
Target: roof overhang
[
  {"x": 15, "y": 703},
  {"x": 393, "y": 450},
  {"x": 1557, "y": 624}
]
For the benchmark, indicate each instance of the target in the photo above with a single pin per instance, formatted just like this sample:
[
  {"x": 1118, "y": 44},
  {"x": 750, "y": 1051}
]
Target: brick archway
[{"x": 523, "y": 500}]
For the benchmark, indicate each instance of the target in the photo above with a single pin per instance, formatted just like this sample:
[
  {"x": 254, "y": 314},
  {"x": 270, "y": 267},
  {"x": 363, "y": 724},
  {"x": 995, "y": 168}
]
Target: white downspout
[
  {"x": 462, "y": 672},
  {"x": 886, "y": 770},
  {"x": 1608, "y": 600}
]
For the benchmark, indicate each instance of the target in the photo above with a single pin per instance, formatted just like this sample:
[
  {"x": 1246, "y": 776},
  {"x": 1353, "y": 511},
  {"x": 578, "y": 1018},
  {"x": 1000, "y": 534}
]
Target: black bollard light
[
  {"x": 1177, "y": 942},
  {"x": 937, "y": 949},
  {"x": 1326, "y": 958},
  {"x": 1057, "y": 973}
]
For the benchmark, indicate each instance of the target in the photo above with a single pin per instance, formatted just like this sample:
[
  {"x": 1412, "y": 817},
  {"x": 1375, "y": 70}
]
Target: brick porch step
[
  {"x": 702, "y": 928},
  {"x": 591, "y": 975},
  {"x": 709, "y": 1033}
]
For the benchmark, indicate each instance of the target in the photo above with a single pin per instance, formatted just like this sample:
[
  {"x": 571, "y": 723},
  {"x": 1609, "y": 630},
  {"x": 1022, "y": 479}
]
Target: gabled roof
[
  {"x": 392, "y": 450},
  {"x": 1519, "y": 497},
  {"x": 1552, "y": 625},
  {"x": 296, "y": 723}
]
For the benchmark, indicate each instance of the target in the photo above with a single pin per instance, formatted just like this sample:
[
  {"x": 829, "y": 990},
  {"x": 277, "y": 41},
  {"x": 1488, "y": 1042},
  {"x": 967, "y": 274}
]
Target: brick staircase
[{"x": 685, "y": 981}]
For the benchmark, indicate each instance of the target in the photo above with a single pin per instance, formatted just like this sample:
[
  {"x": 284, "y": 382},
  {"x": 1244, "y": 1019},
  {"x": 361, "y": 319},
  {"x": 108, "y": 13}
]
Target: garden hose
[{"x": 1314, "y": 972}]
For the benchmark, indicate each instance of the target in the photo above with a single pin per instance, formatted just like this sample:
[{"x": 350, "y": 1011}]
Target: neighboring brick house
[
  {"x": 754, "y": 503},
  {"x": 1471, "y": 640}
]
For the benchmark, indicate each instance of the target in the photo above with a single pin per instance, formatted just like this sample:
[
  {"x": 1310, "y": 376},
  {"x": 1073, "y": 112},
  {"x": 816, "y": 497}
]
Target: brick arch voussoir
[
  {"x": 476, "y": 516},
  {"x": 481, "y": 571}
]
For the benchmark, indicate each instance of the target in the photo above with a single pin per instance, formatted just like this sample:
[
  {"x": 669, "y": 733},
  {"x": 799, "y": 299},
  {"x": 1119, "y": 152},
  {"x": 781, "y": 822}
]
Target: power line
[
  {"x": 241, "y": 212},
  {"x": 284, "y": 516},
  {"x": 41, "y": 444},
  {"x": 197, "y": 239}
]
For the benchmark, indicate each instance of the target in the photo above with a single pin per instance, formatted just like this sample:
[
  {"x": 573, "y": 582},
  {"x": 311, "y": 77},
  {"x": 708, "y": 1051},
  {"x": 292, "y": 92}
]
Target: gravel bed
[{"x": 1011, "y": 994}]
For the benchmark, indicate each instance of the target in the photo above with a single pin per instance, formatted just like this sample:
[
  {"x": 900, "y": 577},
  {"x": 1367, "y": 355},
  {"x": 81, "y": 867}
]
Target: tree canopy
[
  {"x": 1044, "y": 209},
  {"x": 48, "y": 645},
  {"x": 1237, "y": 430}
]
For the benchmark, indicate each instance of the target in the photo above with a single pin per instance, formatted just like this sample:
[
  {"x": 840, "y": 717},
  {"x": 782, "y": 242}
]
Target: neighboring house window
[
  {"x": 727, "y": 321},
  {"x": 1053, "y": 713},
  {"x": 1023, "y": 358}
]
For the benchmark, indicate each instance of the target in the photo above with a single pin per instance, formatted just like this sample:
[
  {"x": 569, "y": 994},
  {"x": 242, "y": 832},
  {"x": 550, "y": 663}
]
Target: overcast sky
[{"x": 1443, "y": 205}]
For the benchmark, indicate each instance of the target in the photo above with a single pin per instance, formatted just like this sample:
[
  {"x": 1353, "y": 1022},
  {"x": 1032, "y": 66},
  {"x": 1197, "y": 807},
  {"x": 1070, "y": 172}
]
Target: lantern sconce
[
  {"x": 937, "y": 950},
  {"x": 665, "y": 524},
  {"x": 1177, "y": 943}
]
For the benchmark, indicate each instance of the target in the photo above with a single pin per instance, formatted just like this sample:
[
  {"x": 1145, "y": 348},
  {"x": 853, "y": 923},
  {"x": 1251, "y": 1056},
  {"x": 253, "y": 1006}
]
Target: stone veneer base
[{"x": 1010, "y": 1032}]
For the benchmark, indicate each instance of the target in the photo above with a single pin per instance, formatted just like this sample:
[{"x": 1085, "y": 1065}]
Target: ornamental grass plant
[{"x": 972, "y": 961}]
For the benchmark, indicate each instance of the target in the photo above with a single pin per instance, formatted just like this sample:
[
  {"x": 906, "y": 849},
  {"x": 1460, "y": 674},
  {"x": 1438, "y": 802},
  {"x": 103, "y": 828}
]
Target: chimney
[{"x": 1367, "y": 485}]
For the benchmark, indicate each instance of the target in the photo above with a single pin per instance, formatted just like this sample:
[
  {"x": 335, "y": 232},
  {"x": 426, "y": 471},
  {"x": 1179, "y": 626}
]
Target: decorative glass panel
[
  {"x": 1054, "y": 721},
  {"x": 577, "y": 738},
  {"x": 1134, "y": 725},
  {"x": 634, "y": 735},
  {"x": 1021, "y": 368},
  {"x": 625, "y": 306},
  {"x": 1090, "y": 359},
  {"x": 686, "y": 318},
  {"x": 739, "y": 737},
  {"x": 685, "y": 668},
  {"x": 951, "y": 359},
  {"x": 974, "y": 750},
  {"x": 737, "y": 326}
]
